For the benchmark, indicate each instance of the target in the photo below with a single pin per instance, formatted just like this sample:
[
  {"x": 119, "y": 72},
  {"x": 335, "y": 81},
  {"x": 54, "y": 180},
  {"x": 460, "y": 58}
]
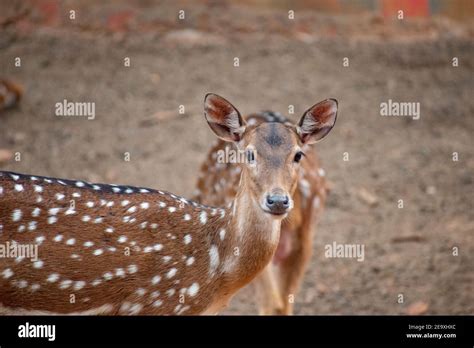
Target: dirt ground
[{"x": 408, "y": 251}]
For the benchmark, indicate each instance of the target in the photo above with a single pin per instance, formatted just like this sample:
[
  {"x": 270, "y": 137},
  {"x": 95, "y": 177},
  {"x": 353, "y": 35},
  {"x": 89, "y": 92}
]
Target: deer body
[
  {"x": 217, "y": 185},
  {"x": 107, "y": 249},
  {"x": 120, "y": 252}
]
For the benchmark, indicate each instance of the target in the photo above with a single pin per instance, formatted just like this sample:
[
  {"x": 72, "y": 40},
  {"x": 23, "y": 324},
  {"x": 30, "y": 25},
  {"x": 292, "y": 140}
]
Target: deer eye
[
  {"x": 298, "y": 156},
  {"x": 250, "y": 156}
]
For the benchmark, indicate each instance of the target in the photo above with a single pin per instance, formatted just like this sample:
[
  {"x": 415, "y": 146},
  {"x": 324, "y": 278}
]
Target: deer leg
[
  {"x": 268, "y": 292},
  {"x": 292, "y": 266}
]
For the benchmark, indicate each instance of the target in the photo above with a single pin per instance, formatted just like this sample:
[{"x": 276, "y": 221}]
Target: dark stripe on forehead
[{"x": 274, "y": 137}]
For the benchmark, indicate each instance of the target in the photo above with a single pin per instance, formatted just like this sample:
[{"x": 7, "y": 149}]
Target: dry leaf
[{"x": 417, "y": 308}]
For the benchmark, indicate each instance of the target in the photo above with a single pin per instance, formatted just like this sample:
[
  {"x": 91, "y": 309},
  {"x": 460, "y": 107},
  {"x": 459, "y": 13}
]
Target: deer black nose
[{"x": 278, "y": 204}]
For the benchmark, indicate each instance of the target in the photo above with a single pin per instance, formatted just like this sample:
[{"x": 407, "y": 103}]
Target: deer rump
[{"x": 217, "y": 185}]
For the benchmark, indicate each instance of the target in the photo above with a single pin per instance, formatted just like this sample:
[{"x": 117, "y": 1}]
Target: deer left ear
[
  {"x": 317, "y": 121},
  {"x": 223, "y": 118}
]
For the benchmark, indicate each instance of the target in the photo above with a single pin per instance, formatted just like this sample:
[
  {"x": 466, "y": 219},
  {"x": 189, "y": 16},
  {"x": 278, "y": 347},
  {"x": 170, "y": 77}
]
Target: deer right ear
[
  {"x": 317, "y": 121},
  {"x": 223, "y": 118}
]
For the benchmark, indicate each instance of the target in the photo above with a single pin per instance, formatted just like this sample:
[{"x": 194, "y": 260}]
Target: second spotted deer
[
  {"x": 218, "y": 184},
  {"x": 127, "y": 250}
]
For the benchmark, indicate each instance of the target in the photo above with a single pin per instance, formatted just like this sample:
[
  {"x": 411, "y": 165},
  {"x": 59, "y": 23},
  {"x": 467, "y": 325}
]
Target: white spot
[
  {"x": 214, "y": 259},
  {"x": 193, "y": 289},
  {"x": 7, "y": 273},
  {"x": 96, "y": 187},
  {"x": 90, "y": 204},
  {"x": 32, "y": 225},
  {"x": 166, "y": 259},
  {"x": 154, "y": 226},
  {"x": 144, "y": 191},
  {"x": 62, "y": 182},
  {"x": 79, "y": 285},
  {"x": 162, "y": 204},
  {"x": 88, "y": 244},
  {"x": 38, "y": 188},
  {"x": 36, "y": 212},
  {"x": 96, "y": 282},
  {"x": 98, "y": 252},
  {"x": 119, "y": 272},
  {"x": 222, "y": 233},
  {"x": 38, "y": 264},
  {"x": 18, "y": 187},
  {"x": 53, "y": 211},
  {"x": 171, "y": 273},
  {"x": 203, "y": 217},
  {"x": 187, "y": 217},
  {"x": 22, "y": 284},
  {"x": 16, "y": 216},
  {"x": 109, "y": 230},
  {"x": 70, "y": 211},
  {"x": 76, "y": 194},
  {"x": 129, "y": 190},
  {"x": 14, "y": 177},
  {"x": 155, "y": 280},
  {"x": 125, "y": 202},
  {"x": 52, "y": 220},
  {"x": 132, "y": 269},
  {"x": 80, "y": 184},
  {"x": 122, "y": 239},
  {"x": 71, "y": 241},
  {"x": 58, "y": 238},
  {"x": 98, "y": 220},
  {"x": 65, "y": 284},
  {"x": 157, "y": 247},
  {"x": 86, "y": 218},
  {"x": 187, "y": 239},
  {"x": 109, "y": 204},
  {"x": 132, "y": 209},
  {"x": 170, "y": 292},
  {"x": 157, "y": 303},
  {"x": 144, "y": 205},
  {"x": 40, "y": 239},
  {"x": 116, "y": 189},
  {"x": 143, "y": 224},
  {"x": 108, "y": 275},
  {"x": 59, "y": 196},
  {"x": 35, "y": 287},
  {"x": 190, "y": 261},
  {"x": 140, "y": 291},
  {"x": 321, "y": 172}
]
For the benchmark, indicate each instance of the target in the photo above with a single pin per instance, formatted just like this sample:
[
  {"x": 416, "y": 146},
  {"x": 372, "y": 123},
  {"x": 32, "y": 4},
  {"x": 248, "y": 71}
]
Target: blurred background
[{"x": 360, "y": 52}]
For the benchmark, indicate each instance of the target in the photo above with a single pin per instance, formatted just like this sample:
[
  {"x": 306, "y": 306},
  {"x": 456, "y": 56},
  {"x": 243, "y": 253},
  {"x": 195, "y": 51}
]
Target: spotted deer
[
  {"x": 122, "y": 250},
  {"x": 218, "y": 184}
]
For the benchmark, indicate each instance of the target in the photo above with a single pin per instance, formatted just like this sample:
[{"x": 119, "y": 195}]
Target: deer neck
[{"x": 254, "y": 237}]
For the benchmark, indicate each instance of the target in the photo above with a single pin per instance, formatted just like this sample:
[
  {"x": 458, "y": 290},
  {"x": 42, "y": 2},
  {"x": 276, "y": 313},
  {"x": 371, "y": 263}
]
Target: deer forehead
[{"x": 273, "y": 142}]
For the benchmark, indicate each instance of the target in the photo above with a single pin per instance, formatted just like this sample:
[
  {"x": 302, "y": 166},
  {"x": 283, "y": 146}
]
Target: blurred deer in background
[
  {"x": 10, "y": 94},
  {"x": 108, "y": 249},
  {"x": 219, "y": 183}
]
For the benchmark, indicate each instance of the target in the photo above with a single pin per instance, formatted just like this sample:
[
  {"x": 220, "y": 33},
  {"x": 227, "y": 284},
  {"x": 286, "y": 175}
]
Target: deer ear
[
  {"x": 317, "y": 121},
  {"x": 223, "y": 118}
]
